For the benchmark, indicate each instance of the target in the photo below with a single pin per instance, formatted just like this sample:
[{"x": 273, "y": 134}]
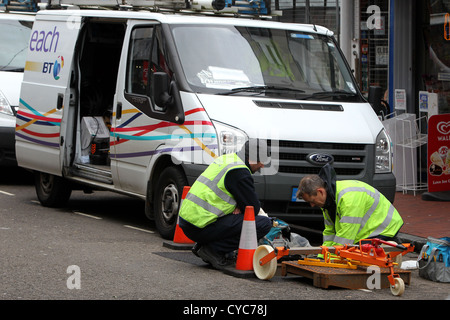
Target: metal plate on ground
[{"x": 324, "y": 277}]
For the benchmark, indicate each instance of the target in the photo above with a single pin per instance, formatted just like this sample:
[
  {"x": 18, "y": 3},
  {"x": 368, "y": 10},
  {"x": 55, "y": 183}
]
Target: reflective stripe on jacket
[
  {"x": 361, "y": 212},
  {"x": 208, "y": 199}
]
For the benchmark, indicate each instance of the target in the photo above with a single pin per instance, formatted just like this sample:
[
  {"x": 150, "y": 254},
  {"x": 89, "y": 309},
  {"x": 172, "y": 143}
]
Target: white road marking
[
  {"x": 135, "y": 228},
  {"x": 7, "y": 193},
  {"x": 86, "y": 215}
]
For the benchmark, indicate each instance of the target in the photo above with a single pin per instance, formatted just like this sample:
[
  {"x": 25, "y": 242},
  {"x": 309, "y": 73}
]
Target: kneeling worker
[
  {"x": 212, "y": 212},
  {"x": 352, "y": 210}
]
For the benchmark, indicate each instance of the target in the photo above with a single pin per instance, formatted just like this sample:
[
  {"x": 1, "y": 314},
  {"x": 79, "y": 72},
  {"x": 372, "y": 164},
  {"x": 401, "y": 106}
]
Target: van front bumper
[
  {"x": 277, "y": 193},
  {"x": 386, "y": 184}
]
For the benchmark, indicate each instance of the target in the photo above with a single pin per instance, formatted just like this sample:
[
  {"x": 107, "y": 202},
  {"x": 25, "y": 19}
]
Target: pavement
[{"x": 423, "y": 218}]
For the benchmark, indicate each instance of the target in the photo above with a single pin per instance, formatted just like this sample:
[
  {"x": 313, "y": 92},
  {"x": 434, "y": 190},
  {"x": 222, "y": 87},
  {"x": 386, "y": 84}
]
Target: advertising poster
[{"x": 439, "y": 153}]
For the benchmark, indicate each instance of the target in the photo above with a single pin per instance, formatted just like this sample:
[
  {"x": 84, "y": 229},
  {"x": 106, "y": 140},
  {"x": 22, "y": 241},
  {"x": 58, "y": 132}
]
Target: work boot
[
  {"x": 195, "y": 249},
  {"x": 217, "y": 261}
]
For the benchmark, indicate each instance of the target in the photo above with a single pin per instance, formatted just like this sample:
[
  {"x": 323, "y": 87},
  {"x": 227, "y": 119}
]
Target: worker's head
[
  {"x": 255, "y": 154},
  {"x": 312, "y": 190}
]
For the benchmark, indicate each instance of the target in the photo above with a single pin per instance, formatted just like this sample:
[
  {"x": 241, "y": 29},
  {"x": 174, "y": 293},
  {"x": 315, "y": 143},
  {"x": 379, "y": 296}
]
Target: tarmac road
[{"x": 101, "y": 247}]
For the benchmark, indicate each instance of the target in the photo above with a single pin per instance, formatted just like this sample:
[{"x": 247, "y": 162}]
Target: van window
[
  {"x": 240, "y": 57},
  {"x": 145, "y": 57},
  {"x": 138, "y": 60},
  {"x": 16, "y": 35}
]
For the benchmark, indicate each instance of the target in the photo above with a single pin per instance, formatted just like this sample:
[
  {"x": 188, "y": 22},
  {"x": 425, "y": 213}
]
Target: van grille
[
  {"x": 349, "y": 159},
  {"x": 350, "y": 162}
]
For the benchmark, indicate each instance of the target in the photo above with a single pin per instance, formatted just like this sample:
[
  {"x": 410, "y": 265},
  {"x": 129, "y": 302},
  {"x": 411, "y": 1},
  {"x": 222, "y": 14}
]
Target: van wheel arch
[
  {"x": 162, "y": 163},
  {"x": 167, "y": 191}
]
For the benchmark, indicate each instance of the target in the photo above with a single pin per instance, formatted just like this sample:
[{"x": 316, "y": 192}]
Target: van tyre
[
  {"x": 51, "y": 190},
  {"x": 167, "y": 200}
]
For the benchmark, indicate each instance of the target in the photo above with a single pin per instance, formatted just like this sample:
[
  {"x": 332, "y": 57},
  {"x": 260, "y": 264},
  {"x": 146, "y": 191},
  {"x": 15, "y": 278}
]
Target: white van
[
  {"x": 15, "y": 30},
  {"x": 140, "y": 103}
]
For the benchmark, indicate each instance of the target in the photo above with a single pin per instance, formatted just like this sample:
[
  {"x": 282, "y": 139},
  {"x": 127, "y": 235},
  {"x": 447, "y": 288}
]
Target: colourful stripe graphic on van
[
  {"x": 143, "y": 130},
  {"x": 35, "y": 117},
  {"x": 166, "y": 150}
]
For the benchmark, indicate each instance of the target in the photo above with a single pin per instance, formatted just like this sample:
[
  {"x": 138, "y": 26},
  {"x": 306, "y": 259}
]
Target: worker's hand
[{"x": 236, "y": 210}]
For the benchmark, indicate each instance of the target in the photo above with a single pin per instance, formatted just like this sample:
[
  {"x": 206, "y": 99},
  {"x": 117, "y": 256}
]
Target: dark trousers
[{"x": 223, "y": 235}]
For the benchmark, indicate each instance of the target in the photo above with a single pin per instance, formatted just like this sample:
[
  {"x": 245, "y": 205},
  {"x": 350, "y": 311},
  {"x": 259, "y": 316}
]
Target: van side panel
[
  {"x": 138, "y": 139},
  {"x": 45, "y": 93}
]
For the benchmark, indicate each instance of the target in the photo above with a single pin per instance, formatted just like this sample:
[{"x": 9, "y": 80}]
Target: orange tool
[{"x": 368, "y": 252}]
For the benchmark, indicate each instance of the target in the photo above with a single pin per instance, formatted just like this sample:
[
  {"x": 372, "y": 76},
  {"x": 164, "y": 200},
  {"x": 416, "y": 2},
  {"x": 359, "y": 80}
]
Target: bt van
[{"x": 139, "y": 103}]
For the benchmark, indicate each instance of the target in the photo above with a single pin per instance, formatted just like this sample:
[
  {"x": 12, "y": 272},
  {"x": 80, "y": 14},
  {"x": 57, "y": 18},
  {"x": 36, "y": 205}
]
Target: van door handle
[
  {"x": 119, "y": 111},
  {"x": 60, "y": 101}
]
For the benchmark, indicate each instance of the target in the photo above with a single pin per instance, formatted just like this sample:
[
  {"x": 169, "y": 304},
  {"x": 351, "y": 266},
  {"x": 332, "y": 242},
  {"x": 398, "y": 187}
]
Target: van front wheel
[
  {"x": 51, "y": 190},
  {"x": 167, "y": 200}
]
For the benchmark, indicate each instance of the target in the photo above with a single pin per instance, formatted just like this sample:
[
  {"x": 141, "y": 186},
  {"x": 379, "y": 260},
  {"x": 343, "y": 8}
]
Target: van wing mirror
[
  {"x": 166, "y": 97},
  {"x": 165, "y": 103}
]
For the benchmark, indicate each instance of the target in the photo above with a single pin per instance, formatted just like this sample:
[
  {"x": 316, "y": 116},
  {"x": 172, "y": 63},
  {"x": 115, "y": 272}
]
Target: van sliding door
[{"x": 45, "y": 93}]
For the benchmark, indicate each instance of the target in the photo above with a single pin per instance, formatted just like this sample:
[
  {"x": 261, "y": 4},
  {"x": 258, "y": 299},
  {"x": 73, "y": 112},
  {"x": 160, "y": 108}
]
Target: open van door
[{"x": 45, "y": 93}]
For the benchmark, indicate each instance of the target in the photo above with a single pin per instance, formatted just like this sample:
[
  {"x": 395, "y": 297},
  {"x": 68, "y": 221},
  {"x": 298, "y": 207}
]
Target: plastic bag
[
  {"x": 281, "y": 234},
  {"x": 434, "y": 260}
]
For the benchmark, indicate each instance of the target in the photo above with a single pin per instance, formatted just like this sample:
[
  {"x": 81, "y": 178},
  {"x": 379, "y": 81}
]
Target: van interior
[{"x": 93, "y": 85}]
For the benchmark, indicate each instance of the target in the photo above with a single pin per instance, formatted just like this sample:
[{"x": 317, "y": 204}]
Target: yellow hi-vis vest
[
  {"x": 361, "y": 212},
  {"x": 208, "y": 199}
]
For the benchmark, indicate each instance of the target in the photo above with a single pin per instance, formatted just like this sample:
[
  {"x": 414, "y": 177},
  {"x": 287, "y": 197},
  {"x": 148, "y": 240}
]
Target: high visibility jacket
[
  {"x": 208, "y": 199},
  {"x": 361, "y": 212}
]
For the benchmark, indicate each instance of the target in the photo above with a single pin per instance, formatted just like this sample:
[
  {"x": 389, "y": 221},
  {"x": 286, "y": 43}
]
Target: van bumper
[
  {"x": 276, "y": 193},
  {"x": 386, "y": 184}
]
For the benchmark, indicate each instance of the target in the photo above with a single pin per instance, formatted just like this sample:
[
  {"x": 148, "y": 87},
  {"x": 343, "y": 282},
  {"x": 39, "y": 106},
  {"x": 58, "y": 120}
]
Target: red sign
[{"x": 439, "y": 153}]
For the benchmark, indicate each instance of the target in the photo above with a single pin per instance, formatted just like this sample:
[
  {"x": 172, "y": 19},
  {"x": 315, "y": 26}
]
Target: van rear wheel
[
  {"x": 51, "y": 190},
  {"x": 167, "y": 201}
]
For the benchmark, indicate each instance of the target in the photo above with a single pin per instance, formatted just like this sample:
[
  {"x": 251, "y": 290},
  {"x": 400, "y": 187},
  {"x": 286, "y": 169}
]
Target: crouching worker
[
  {"x": 212, "y": 212},
  {"x": 352, "y": 210}
]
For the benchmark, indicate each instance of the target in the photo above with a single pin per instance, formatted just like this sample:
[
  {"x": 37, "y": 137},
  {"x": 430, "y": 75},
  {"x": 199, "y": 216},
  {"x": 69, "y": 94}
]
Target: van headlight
[
  {"x": 230, "y": 139},
  {"x": 4, "y": 105},
  {"x": 383, "y": 153}
]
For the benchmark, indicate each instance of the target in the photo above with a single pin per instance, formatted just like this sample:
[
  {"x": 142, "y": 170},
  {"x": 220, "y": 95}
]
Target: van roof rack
[
  {"x": 218, "y": 7},
  {"x": 19, "y": 5}
]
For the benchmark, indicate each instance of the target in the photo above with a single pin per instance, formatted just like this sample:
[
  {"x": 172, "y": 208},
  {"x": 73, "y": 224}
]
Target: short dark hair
[
  {"x": 256, "y": 150},
  {"x": 309, "y": 185}
]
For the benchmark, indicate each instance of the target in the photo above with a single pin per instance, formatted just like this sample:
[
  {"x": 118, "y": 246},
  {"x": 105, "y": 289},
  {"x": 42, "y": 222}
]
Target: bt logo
[{"x": 54, "y": 68}]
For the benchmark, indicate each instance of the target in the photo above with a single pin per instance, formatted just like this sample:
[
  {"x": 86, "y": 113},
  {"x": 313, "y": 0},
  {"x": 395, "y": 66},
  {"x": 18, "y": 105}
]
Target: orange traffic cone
[
  {"x": 180, "y": 240},
  {"x": 248, "y": 241}
]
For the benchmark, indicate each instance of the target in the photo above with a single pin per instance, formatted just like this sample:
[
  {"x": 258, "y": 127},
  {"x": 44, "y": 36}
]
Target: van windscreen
[{"x": 249, "y": 60}]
